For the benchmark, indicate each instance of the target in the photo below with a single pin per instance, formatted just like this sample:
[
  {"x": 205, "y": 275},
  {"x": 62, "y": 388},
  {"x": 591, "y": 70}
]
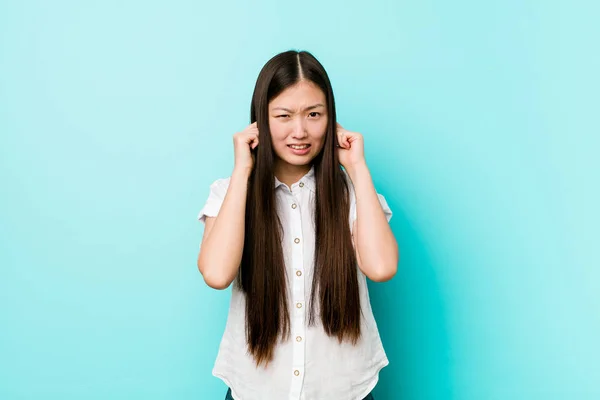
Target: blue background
[{"x": 481, "y": 129}]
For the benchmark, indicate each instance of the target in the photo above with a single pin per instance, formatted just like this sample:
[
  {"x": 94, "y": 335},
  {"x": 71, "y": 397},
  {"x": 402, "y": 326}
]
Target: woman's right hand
[{"x": 243, "y": 144}]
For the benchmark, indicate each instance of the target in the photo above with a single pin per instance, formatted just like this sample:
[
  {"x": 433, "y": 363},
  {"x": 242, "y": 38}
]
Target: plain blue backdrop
[{"x": 481, "y": 129}]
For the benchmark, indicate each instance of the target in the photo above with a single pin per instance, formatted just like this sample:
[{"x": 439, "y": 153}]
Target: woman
[{"x": 299, "y": 235}]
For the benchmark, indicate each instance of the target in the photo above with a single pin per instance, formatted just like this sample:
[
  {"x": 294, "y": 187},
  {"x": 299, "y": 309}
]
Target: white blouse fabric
[{"x": 310, "y": 365}]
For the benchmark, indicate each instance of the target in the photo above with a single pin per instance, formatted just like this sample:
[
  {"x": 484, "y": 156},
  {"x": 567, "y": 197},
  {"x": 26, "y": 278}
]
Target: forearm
[
  {"x": 221, "y": 251},
  {"x": 374, "y": 239}
]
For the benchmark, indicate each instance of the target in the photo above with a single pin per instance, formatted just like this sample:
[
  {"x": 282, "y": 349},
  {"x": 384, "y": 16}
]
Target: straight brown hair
[{"x": 262, "y": 275}]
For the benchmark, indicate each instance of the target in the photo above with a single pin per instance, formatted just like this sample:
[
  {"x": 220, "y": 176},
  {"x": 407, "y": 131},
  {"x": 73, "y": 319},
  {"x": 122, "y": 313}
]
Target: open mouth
[{"x": 299, "y": 147}]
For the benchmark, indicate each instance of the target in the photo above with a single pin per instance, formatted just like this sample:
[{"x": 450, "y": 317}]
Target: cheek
[
  {"x": 321, "y": 128},
  {"x": 277, "y": 134},
  {"x": 319, "y": 140},
  {"x": 318, "y": 132}
]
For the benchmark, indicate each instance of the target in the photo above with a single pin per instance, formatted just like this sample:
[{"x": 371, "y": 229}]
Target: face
[{"x": 298, "y": 123}]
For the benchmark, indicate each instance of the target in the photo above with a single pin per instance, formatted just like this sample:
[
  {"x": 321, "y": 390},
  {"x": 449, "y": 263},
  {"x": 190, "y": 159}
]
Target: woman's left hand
[{"x": 351, "y": 150}]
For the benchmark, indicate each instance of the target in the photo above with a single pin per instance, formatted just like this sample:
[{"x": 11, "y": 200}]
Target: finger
[
  {"x": 343, "y": 139},
  {"x": 340, "y": 140},
  {"x": 251, "y": 127},
  {"x": 251, "y": 139},
  {"x": 252, "y": 134}
]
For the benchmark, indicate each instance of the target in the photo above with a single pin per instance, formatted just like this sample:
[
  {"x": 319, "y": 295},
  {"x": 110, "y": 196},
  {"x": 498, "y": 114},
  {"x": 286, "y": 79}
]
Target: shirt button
[
  {"x": 296, "y": 372},
  {"x": 301, "y": 184},
  {"x": 298, "y": 338},
  {"x": 294, "y": 206},
  {"x": 298, "y": 273},
  {"x": 298, "y": 305},
  {"x": 297, "y": 240}
]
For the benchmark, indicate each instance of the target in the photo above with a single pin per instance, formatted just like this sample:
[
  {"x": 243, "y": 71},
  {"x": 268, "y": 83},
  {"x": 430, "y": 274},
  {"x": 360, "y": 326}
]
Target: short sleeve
[
  {"x": 382, "y": 201},
  {"x": 211, "y": 208},
  {"x": 386, "y": 209}
]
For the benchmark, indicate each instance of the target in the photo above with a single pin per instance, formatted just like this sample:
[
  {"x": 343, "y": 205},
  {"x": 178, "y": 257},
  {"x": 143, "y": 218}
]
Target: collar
[{"x": 307, "y": 181}]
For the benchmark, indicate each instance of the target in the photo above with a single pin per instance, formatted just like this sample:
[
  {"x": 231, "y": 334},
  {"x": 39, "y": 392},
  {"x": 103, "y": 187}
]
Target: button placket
[{"x": 298, "y": 314}]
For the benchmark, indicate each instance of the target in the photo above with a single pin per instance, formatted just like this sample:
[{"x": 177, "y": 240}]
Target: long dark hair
[{"x": 262, "y": 272}]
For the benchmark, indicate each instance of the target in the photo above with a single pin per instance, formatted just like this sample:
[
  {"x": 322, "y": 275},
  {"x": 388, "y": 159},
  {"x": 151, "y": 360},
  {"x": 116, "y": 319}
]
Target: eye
[
  {"x": 314, "y": 112},
  {"x": 282, "y": 115}
]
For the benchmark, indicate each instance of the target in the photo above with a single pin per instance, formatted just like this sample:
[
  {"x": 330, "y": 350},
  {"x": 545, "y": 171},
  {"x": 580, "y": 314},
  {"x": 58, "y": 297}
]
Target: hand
[
  {"x": 243, "y": 144},
  {"x": 351, "y": 150}
]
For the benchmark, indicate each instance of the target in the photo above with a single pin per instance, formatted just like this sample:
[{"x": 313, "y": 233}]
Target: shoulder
[
  {"x": 352, "y": 193},
  {"x": 218, "y": 190},
  {"x": 219, "y": 187},
  {"x": 220, "y": 183}
]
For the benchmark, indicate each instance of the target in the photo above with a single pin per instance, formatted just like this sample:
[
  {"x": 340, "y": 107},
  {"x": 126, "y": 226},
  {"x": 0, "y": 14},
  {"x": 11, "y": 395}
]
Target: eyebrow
[{"x": 306, "y": 109}]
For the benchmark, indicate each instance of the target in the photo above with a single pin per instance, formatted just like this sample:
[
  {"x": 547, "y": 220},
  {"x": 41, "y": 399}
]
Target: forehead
[{"x": 303, "y": 93}]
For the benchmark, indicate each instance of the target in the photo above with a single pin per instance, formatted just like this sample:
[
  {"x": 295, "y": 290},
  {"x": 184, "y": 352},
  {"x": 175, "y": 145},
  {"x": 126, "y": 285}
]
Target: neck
[{"x": 289, "y": 174}]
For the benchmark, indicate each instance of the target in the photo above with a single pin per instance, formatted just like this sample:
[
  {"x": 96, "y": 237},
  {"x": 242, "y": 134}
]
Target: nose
[{"x": 299, "y": 129}]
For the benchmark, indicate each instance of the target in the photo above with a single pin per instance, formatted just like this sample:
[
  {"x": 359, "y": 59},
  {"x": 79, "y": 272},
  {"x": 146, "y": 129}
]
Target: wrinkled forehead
[{"x": 298, "y": 97}]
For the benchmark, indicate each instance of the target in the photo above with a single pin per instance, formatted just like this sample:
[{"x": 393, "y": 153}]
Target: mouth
[{"x": 299, "y": 146}]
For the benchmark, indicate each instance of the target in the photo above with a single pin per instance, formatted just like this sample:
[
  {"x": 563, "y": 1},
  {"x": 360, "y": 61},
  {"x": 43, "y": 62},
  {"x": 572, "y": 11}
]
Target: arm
[
  {"x": 223, "y": 239},
  {"x": 376, "y": 247}
]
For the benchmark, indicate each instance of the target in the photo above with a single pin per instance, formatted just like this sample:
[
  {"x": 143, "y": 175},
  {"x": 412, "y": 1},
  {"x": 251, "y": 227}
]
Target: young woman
[{"x": 298, "y": 235}]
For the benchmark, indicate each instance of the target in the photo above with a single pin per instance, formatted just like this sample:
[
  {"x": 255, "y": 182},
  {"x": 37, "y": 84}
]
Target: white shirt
[{"x": 310, "y": 365}]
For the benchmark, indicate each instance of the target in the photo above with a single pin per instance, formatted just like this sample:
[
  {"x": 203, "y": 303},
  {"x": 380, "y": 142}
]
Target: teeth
[{"x": 299, "y": 147}]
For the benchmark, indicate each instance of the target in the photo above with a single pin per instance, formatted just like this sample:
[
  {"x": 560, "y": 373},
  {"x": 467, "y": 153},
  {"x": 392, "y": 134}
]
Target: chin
[{"x": 298, "y": 162}]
